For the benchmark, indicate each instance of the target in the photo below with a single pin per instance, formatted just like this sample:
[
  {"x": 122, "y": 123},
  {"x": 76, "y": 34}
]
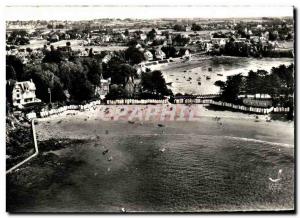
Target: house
[
  {"x": 148, "y": 55},
  {"x": 54, "y": 38},
  {"x": 143, "y": 36},
  {"x": 103, "y": 89},
  {"x": 185, "y": 53},
  {"x": 257, "y": 100},
  {"x": 129, "y": 86},
  {"x": 106, "y": 58},
  {"x": 208, "y": 46},
  {"x": 132, "y": 85},
  {"x": 188, "y": 28},
  {"x": 219, "y": 41},
  {"x": 159, "y": 54},
  {"x": 24, "y": 93}
]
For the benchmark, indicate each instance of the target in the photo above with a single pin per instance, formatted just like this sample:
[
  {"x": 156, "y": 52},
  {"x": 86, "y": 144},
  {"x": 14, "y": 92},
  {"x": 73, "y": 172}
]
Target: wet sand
[{"x": 197, "y": 69}]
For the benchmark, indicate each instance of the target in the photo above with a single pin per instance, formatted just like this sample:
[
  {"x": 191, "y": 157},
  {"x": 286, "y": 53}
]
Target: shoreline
[{"x": 88, "y": 124}]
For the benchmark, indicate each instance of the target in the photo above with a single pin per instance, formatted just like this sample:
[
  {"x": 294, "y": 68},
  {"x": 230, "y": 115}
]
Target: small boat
[
  {"x": 199, "y": 79},
  {"x": 169, "y": 84},
  {"x": 209, "y": 69},
  {"x": 219, "y": 74},
  {"x": 162, "y": 150},
  {"x": 208, "y": 77},
  {"x": 199, "y": 83}
]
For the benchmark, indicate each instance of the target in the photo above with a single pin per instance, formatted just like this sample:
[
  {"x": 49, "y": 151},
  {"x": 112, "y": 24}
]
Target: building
[
  {"x": 132, "y": 85},
  {"x": 148, "y": 55},
  {"x": 219, "y": 41},
  {"x": 129, "y": 86},
  {"x": 257, "y": 100},
  {"x": 24, "y": 93},
  {"x": 103, "y": 89},
  {"x": 106, "y": 58},
  {"x": 185, "y": 53},
  {"x": 159, "y": 54},
  {"x": 143, "y": 36}
]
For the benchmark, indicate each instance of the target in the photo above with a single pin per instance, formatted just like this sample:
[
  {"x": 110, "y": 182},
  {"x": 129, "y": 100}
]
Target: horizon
[{"x": 94, "y": 12}]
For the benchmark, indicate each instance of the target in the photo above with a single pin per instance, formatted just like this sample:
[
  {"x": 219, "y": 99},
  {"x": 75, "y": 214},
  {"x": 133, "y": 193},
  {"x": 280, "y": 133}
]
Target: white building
[
  {"x": 159, "y": 54},
  {"x": 24, "y": 93},
  {"x": 143, "y": 36},
  {"x": 148, "y": 55},
  {"x": 103, "y": 89}
]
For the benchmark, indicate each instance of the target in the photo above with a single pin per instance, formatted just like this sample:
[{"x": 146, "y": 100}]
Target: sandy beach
[{"x": 88, "y": 124}]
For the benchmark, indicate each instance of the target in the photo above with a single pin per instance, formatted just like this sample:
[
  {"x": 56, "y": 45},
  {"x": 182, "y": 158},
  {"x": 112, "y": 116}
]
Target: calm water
[
  {"x": 197, "y": 68},
  {"x": 192, "y": 174}
]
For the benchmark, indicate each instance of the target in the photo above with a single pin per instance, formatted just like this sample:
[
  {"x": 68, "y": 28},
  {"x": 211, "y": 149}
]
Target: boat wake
[{"x": 260, "y": 141}]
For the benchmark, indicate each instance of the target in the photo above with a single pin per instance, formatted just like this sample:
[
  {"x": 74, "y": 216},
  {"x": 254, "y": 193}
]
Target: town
[{"x": 122, "y": 106}]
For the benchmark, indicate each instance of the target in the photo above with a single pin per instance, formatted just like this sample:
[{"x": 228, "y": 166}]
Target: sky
[{"x": 90, "y": 12}]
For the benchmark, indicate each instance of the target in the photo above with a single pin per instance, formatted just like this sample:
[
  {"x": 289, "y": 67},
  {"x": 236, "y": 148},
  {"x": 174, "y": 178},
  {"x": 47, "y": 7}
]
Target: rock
[{"x": 104, "y": 152}]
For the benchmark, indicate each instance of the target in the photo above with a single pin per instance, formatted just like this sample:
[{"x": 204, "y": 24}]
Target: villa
[{"x": 24, "y": 93}]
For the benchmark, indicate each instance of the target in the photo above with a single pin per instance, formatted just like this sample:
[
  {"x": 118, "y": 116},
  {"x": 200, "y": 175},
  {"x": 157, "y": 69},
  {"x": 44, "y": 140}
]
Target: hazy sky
[{"x": 93, "y": 12}]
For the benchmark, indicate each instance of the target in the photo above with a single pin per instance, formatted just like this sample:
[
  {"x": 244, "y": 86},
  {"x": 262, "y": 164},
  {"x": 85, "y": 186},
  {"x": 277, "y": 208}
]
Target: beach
[
  {"x": 185, "y": 77},
  {"x": 148, "y": 166}
]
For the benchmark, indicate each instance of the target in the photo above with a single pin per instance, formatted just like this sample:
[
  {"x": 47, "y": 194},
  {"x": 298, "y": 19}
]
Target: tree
[
  {"x": 233, "y": 86},
  {"x": 170, "y": 51},
  {"x": 134, "y": 56},
  {"x": 155, "y": 83},
  {"x": 178, "y": 27},
  {"x": 44, "y": 79},
  {"x": 117, "y": 92},
  {"x": 54, "y": 56},
  {"x": 151, "y": 34},
  {"x": 220, "y": 83},
  {"x": 126, "y": 33},
  {"x": 181, "y": 40},
  {"x": 196, "y": 27},
  {"x": 81, "y": 88},
  {"x": 16, "y": 67}
]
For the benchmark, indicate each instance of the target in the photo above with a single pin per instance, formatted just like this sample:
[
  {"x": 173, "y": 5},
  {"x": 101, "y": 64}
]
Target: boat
[
  {"x": 208, "y": 77},
  {"x": 199, "y": 83},
  {"x": 169, "y": 84},
  {"x": 199, "y": 79},
  {"x": 219, "y": 74},
  {"x": 210, "y": 69}
]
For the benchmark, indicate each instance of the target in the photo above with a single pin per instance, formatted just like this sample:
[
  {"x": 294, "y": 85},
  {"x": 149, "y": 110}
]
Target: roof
[{"x": 26, "y": 85}]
